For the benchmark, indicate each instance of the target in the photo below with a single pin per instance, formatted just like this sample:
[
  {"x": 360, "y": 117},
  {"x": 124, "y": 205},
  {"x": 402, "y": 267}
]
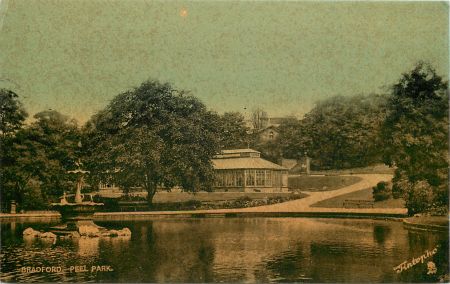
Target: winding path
[{"x": 304, "y": 204}]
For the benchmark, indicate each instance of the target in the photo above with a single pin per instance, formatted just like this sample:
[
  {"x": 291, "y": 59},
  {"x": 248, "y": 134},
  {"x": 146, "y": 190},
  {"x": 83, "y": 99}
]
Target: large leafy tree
[
  {"x": 38, "y": 158},
  {"x": 416, "y": 137},
  {"x": 151, "y": 136},
  {"x": 12, "y": 117},
  {"x": 340, "y": 132}
]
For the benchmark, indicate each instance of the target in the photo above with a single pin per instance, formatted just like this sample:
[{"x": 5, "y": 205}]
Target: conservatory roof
[{"x": 245, "y": 163}]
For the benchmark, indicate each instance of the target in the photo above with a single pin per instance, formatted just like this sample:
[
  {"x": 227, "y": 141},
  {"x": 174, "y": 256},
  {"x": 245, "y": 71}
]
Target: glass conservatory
[{"x": 244, "y": 170}]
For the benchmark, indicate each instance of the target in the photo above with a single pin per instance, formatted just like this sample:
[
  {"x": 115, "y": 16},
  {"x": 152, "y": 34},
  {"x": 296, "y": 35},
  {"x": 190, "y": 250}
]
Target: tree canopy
[
  {"x": 36, "y": 159},
  {"x": 151, "y": 136},
  {"x": 233, "y": 132},
  {"x": 416, "y": 138},
  {"x": 12, "y": 113},
  {"x": 340, "y": 132}
]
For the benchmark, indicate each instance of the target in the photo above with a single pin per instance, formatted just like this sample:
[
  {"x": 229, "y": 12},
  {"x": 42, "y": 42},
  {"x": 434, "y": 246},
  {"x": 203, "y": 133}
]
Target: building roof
[
  {"x": 245, "y": 163},
  {"x": 272, "y": 127},
  {"x": 235, "y": 151}
]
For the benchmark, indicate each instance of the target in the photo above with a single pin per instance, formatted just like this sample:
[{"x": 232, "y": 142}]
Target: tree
[
  {"x": 38, "y": 158},
  {"x": 233, "y": 131},
  {"x": 12, "y": 117},
  {"x": 151, "y": 136},
  {"x": 340, "y": 132},
  {"x": 295, "y": 138},
  {"x": 416, "y": 138},
  {"x": 12, "y": 113}
]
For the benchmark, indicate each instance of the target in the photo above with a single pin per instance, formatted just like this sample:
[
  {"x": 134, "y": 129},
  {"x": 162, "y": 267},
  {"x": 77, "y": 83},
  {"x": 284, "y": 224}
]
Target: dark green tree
[
  {"x": 38, "y": 158},
  {"x": 233, "y": 132},
  {"x": 12, "y": 117},
  {"x": 153, "y": 136},
  {"x": 416, "y": 138},
  {"x": 340, "y": 132},
  {"x": 12, "y": 113}
]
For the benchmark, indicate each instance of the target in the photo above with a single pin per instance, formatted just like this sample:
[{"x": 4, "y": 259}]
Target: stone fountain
[{"x": 77, "y": 217}]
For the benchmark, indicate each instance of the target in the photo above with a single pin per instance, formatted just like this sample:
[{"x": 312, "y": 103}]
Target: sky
[{"x": 74, "y": 56}]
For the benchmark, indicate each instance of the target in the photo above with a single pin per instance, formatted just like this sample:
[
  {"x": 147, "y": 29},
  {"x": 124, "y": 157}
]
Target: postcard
[{"x": 224, "y": 141}]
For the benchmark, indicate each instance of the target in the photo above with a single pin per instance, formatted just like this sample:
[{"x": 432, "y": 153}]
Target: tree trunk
[{"x": 151, "y": 190}]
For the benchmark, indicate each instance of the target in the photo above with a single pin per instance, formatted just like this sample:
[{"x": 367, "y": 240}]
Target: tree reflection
[{"x": 381, "y": 233}]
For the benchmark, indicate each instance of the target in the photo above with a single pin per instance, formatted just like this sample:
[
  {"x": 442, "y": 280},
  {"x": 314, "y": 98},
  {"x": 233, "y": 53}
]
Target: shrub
[
  {"x": 381, "y": 191},
  {"x": 420, "y": 197},
  {"x": 110, "y": 204},
  {"x": 400, "y": 184},
  {"x": 192, "y": 204}
]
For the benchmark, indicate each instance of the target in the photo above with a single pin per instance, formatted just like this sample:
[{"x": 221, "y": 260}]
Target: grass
[
  {"x": 243, "y": 201},
  {"x": 365, "y": 194},
  {"x": 375, "y": 169},
  {"x": 167, "y": 197},
  {"x": 321, "y": 183}
]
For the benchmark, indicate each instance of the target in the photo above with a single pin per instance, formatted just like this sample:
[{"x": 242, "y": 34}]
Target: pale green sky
[{"x": 74, "y": 56}]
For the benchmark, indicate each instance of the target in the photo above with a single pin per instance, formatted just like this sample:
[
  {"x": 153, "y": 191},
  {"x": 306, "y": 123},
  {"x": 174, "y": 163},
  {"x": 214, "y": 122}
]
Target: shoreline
[
  {"x": 224, "y": 213},
  {"x": 422, "y": 224}
]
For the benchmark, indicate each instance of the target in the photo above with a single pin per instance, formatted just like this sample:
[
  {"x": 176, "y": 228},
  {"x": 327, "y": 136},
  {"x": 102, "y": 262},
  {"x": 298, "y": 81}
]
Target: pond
[{"x": 229, "y": 250}]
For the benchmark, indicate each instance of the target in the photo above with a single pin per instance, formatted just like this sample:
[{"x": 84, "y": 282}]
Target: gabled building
[
  {"x": 268, "y": 134},
  {"x": 243, "y": 170}
]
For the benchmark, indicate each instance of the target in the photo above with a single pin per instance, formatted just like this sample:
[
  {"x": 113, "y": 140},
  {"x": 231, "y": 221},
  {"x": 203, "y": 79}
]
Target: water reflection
[
  {"x": 234, "y": 250},
  {"x": 87, "y": 246},
  {"x": 381, "y": 233}
]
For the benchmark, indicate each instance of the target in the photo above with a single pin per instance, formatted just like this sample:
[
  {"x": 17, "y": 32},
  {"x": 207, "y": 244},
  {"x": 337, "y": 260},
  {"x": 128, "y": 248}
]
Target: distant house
[
  {"x": 269, "y": 131},
  {"x": 268, "y": 134},
  {"x": 243, "y": 170}
]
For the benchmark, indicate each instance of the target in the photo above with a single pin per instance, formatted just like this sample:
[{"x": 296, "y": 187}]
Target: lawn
[
  {"x": 374, "y": 169},
  {"x": 320, "y": 183},
  {"x": 167, "y": 197},
  {"x": 365, "y": 194},
  {"x": 173, "y": 201}
]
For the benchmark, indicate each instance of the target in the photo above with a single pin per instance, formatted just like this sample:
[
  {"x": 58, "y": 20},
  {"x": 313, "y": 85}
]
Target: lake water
[{"x": 230, "y": 250}]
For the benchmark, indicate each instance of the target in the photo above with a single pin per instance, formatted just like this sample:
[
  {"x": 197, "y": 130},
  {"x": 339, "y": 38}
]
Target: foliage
[
  {"x": 340, "y": 132},
  {"x": 381, "y": 191},
  {"x": 419, "y": 197},
  {"x": 416, "y": 138},
  {"x": 270, "y": 150},
  {"x": 12, "y": 113},
  {"x": 36, "y": 160},
  {"x": 153, "y": 136},
  {"x": 233, "y": 132}
]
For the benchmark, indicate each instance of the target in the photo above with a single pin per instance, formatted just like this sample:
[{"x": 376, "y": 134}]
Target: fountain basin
[
  {"x": 77, "y": 218},
  {"x": 78, "y": 211}
]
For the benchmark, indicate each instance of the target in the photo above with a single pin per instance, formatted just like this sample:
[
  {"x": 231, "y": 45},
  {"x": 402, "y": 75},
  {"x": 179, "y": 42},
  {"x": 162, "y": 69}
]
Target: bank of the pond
[
  {"x": 427, "y": 223},
  {"x": 219, "y": 213}
]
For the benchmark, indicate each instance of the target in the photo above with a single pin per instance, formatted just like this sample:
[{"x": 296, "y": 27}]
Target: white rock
[
  {"x": 89, "y": 231},
  {"x": 124, "y": 232},
  {"x": 31, "y": 232},
  {"x": 47, "y": 235}
]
